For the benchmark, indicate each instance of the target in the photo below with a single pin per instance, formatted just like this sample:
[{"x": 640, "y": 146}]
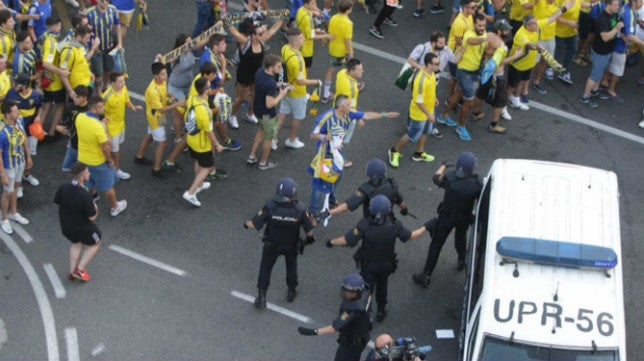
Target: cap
[
  {"x": 501, "y": 25},
  {"x": 286, "y": 187},
  {"x": 376, "y": 169},
  {"x": 52, "y": 20},
  {"x": 465, "y": 164},
  {"x": 22, "y": 79},
  {"x": 353, "y": 282}
]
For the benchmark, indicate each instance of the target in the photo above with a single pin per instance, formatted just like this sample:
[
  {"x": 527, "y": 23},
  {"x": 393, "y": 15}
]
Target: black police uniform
[
  {"x": 283, "y": 219},
  {"x": 461, "y": 191},
  {"x": 377, "y": 254},
  {"x": 354, "y": 325},
  {"x": 372, "y": 188}
]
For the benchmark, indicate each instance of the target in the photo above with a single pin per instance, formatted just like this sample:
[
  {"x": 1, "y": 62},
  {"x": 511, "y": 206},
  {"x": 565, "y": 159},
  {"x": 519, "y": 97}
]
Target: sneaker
[
  {"x": 524, "y": 99},
  {"x": 566, "y": 78},
  {"x": 376, "y": 32},
  {"x": 274, "y": 144},
  {"x": 477, "y": 116},
  {"x": 123, "y": 175},
  {"x": 641, "y": 124},
  {"x": 419, "y": 12},
  {"x": 251, "y": 160},
  {"x": 143, "y": 160},
  {"x": 31, "y": 180},
  {"x": 260, "y": 300},
  {"x": 73, "y": 3},
  {"x": 120, "y": 207},
  {"x": 587, "y": 101},
  {"x": 394, "y": 158},
  {"x": 463, "y": 134},
  {"x": 516, "y": 103},
  {"x": 204, "y": 186},
  {"x": 82, "y": 275},
  {"x": 267, "y": 166},
  {"x": 423, "y": 157},
  {"x": 171, "y": 166},
  {"x": 496, "y": 129},
  {"x": 505, "y": 114},
  {"x": 326, "y": 99},
  {"x": 251, "y": 118},
  {"x": 296, "y": 144},
  {"x": 19, "y": 192},
  {"x": 234, "y": 124},
  {"x": 539, "y": 88},
  {"x": 232, "y": 144},
  {"x": 437, "y": 133},
  {"x": 446, "y": 120},
  {"x": 550, "y": 74},
  {"x": 391, "y": 22},
  {"x": 579, "y": 61},
  {"x": 601, "y": 94},
  {"x": 161, "y": 174},
  {"x": 398, "y": 6},
  {"x": 6, "y": 227},
  {"x": 96, "y": 197},
  {"x": 16, "y": 217},
  {"x": 615, "y": 98},
  {"x": 421, "y": 279},
  {"x": 437, "y": 9},
  {"x": 192, "y": 199},
  {"x": 219, "y": 174}
]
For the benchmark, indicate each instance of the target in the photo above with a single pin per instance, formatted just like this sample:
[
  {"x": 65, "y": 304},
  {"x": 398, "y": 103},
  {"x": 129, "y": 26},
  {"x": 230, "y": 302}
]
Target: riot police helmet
[
  {"x": 465, "y": 164},
  {"x": 376, "y": 169},
  {"x": 354, "y": 283},
  {"x": 379, "y": 207},
  {"x": 286, "y": 188}
]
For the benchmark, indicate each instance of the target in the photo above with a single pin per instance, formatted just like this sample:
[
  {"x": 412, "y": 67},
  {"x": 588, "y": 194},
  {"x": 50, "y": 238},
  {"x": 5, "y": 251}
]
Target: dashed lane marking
[
  {"x": 273, "y": 307},
  {"x": 148, "y": 260},
  {"x": 59, "y": 289},
  {"x": 71, "y": 340}
]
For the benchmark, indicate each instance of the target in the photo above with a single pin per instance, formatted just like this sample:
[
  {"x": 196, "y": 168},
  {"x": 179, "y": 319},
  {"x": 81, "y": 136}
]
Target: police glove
[
  {"x": 305, "y": 331},
  {"x": 446, "y": 164},
  {"x": 309, "y": 240},
  {"x": 322, "y": 215},
  {"x": 404, "y": 211},
  {"x": 245, "y": 225},
  {"x": 328, "y": 243}
]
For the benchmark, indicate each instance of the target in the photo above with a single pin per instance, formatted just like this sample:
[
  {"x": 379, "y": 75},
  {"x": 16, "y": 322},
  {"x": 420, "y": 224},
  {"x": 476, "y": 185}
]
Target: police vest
[
  {"x": 284, "y": 222},
  {"x": 378, "y": 243},
  {"x": 387, "y": 187},
  {"x": 460, "y": 194}
]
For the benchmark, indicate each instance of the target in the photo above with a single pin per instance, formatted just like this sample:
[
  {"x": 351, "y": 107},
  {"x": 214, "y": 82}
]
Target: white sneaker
[
  {"x": 505, "y": 114},
  {"x": 296, "y": 144},
  {"x": 233, "y": 122},
  {"x": 192, "y": 199},
  {"x": 641, "y": 124},
  {"x": 123, "y": 175},
  {"x": 204, "y": 186},
  {"x": 19, "y": 192},
  {"x": 274, "y": 145},
  {"x": 252, "y": 118},
  {"x": 31, "y": 180},
  {"x": 6, "y": 227},
  {"x": 515, "y": 103},
  {"x": 16, "y": 217},
  {"x": 120, "y": 207},
  {"x": 73, "y": 3}
]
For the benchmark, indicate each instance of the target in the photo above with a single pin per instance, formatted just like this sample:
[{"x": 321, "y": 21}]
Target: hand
[
  {"x": 305, "y": 331},
  {"x": 404, "y": 211},
  {"x": 5, "y": 180},
  {"x": 219, "y": 148},
  {"x": 620, "y": 25},
  {"x": 328, "y": 243},
  {"x": 446, "y": 164},
  {"x": 322, "y": 215},
  {"x": 137, "y": 108},
  {"x": 96, "y": 43},
  {"x": 309, "y": 240},
  {"x": 361, "y": 123}
]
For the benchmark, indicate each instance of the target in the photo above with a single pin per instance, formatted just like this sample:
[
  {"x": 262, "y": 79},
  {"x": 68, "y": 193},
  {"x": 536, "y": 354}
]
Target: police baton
[{"x": 411, "y": 215}]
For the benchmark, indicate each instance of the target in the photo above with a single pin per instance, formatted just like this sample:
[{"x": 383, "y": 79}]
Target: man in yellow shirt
[
  {"x": 117, "y": 99},
  {"x": 295, "y": 101},
  {"x": 341, "y": 47},
  {"x": 157, "y": 104},
  {"x": 201, "y": 139},
  {"x": 518, "y": 11},
  {"x": 7, "y": 36},
  {"x": 421, "y": 113},
  {"x": 550, "y": 11},
  {"x": 463, "y": 22},
  {"x": 73, "y": 59},
  {"x": 519, "y": 71},
  {"x": 5, "y": 81},
  {"x": 94, "y": 151},
  {"x": 304, "y": 22},
  {"x": 567, "y": 30},
  {"x": 53, "y": 90}
]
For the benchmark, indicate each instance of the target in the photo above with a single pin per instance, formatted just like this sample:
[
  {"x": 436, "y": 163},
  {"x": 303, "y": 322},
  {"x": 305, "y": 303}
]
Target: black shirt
[
  {"x": 265, "y": 85},
  {"x": 605, "y": 23},
  {"x": 75, "y": 207},
  {"x": 461, "y": 191}
]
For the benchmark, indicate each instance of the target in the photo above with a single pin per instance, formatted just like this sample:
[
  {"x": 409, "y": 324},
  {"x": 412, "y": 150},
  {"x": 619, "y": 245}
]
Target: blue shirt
[
  {"x": 44, "y": 10},
  {"x": 11, "y": 144},
  {"x": 25, "y": 62},
  {"x": 265, "y": 85},
  {"x": 630, "y": 24}
]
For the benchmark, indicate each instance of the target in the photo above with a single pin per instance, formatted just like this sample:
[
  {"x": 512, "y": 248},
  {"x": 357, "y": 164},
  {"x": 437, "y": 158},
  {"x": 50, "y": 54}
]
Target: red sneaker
[{"x": 81, "y": 275}]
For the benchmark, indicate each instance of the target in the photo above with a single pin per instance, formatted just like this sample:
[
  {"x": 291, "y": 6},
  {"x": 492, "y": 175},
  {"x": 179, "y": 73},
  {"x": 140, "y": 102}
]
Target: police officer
[
  {"x": 283, "y": 215},
  {"x": 462, "y": 189},
  {"x": 377, "y": 255},
  {"x": 378, "y": 183},
  {"x": 353, "y": 321}
]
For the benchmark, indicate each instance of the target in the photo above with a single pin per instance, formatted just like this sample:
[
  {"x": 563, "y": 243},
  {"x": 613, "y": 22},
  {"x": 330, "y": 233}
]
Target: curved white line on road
[{"x": 41, "y": 297}]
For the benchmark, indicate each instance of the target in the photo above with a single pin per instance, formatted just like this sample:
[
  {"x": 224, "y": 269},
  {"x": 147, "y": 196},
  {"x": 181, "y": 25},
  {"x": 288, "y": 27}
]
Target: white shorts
[
  {"x": 158, "y": 135},
  {"x": 15, "y": 176},
  {"x": 117, "y": 140},
  {"x": 617, "y": 64},
  {"x": 295, "y": 105},
  {"x": 33, "y": 145},
  {"x": 549, "y": 45}
]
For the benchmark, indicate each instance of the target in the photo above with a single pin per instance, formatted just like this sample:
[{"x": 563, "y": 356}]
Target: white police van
[{"x": 544, "y": 266}]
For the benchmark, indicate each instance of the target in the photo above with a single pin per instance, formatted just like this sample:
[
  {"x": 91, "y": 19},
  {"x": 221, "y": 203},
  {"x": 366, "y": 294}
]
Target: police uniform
[
  {"x": 372, "y": 188},
  {"x": 283, "y": 218},
  {"x": 354, "y": 325},
  {"x": 376, "y": 256}
]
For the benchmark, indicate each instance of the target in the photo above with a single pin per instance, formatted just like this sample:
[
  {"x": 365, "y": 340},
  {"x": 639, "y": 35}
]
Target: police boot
[
  {"x": 381, "y": 314},
  {"x": 421, "y": 279},
  {"x": 260, "y": 301},
  {"x": 290, "y": 296}
]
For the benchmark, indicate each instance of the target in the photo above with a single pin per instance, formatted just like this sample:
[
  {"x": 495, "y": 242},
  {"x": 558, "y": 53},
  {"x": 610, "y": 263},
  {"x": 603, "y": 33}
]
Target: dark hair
[
  {"x": 93, "y": 101},
  {"x": 78, "y": 169},
  {"x": 435, "y": 36},
  {"x": 345, "y": 5},
  {"x": 21, "y": 36},
  {"x": 466, "y": 2},
  {"x": 208, "y": 68},
  {"x": 429, "y": 58},
  {"x": 480, "y": 17},
  {"x": 271, "y": 60},
  {"x": 527, "y": 18},
  {"x": 81, "y": 91},
  {"x": 82, "y": 30},
  {"x": 215, "y": 39},
  {"x": 157, "y": 68},
  {"x": 5, "y": 15},
  {"x": 201, "y": 85},
  {"x": 7, "y": 105},
  {"x": 352, "y": 64},
  {"x": 115, "y": 75},
  {"x": 77, "y": 20},
  {"x": 180, "y": 40}
]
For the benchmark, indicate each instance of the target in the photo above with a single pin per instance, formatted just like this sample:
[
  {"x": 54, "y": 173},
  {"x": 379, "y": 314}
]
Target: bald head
[{"x": 383, "y": 340}]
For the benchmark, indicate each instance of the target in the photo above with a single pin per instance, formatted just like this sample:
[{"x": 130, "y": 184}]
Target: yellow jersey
[
  {"x": 347, "y": 86},
  {"x": 5, "y": 85},
  {"x": 115, "y": 107},
  {"x": 91, "y": 134},
  {"x": 304, "y": 22},
  {"x": 202, "y": 118},
  {"x": 341, "y": 27},
  {"x": 517, "y": 11},
  {"x": 72, "y": 58},
  {"x": 7, "y": 45},
  {"x": 459, "y": 27},
  {"x": 49, "y": 55},
  {"x": 543, "y": 10},
  {"x": 424, "y": 92},
  {"x": 156, "y": 97},
  {"x": 521, "y": 39},
  {"x": 572, "y": 14},
  {"x": 295, "y": 70},
  {"x": 471, "y": 60}
]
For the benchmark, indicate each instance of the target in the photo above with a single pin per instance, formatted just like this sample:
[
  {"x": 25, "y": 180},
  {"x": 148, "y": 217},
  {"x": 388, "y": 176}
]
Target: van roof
[{"x": 554, "y": 305}]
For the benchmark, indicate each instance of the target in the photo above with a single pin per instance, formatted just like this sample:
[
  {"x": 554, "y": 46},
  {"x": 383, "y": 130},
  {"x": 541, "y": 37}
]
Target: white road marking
[
  {"x": 148, "y": 260},
  {"x": 22, "y": 233},
  {"x": 3, "y": 334},
  {"x": 59, "y": 290},
  {"x": 272, "y": 307},
  {"x": 71, "y": 339},
  {"x": 448, "y": 333},
  {"x": 41, "y": 298},
  {"x": 99, "y": 349}
]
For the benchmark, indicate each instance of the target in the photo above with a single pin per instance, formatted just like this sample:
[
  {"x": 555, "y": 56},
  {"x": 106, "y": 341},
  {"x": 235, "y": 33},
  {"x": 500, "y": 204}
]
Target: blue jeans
[
  {"x": 71, "y": 158},
  {"x": 571, "y": 49},
  {"x": 319, "y": 190},
  {"x": 205, "y": 17}
]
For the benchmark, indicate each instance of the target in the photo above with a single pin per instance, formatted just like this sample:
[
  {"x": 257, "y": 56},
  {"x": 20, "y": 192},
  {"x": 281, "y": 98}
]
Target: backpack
[
  {"x": 191, "y": 120},
  {"x": 283, "y": 76}
]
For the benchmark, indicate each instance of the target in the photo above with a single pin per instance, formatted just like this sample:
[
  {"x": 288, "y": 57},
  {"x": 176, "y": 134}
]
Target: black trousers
[
  {"x": 270, "y": 254},
  {"x": 384, "y": 13},
  {"x": 377, "y": 281},
  {"x": 349, "y": 352},
  {"x": 445, "y": 225}
]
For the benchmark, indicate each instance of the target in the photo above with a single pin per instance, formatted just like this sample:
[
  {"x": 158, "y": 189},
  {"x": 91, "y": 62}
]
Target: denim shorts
[
  {"x": 417, "y": 128},
  {"x": 600, "y": 63},
  {"x": 102, "y": 178},
  {"x": 468, "y": 82}
]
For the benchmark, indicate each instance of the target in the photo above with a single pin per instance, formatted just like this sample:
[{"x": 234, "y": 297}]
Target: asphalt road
[{"x": 192, "y": 304}]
